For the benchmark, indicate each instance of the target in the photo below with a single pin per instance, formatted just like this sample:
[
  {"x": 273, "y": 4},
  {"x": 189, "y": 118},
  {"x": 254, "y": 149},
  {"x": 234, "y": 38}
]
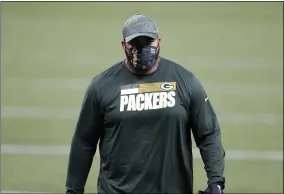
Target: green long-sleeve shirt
[{"x": 144, "y": 126}]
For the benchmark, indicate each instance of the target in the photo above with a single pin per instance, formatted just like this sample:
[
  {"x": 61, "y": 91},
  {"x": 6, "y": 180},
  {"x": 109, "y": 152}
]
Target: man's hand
[{"x": 212, "y": 189}]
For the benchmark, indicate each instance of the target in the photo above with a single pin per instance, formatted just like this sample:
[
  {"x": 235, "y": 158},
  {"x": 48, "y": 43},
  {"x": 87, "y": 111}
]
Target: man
[{"x": 143, "y": 110}]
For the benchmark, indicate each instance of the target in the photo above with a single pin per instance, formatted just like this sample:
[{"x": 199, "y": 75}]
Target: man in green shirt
[{"x": 142, "y": 111}]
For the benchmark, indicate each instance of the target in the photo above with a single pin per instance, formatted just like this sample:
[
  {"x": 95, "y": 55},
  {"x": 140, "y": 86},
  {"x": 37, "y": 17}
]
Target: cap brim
[{"x": 132, "y": 36}]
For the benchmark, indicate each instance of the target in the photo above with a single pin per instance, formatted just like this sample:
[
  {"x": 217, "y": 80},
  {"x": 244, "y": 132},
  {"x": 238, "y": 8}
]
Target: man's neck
[{"x": 141, "y": 72}]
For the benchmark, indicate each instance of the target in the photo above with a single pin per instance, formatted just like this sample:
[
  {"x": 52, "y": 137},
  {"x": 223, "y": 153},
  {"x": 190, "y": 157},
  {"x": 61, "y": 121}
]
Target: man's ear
[
  {"x": 123, "y": 45},
  {"x": 159, "y": 42}
]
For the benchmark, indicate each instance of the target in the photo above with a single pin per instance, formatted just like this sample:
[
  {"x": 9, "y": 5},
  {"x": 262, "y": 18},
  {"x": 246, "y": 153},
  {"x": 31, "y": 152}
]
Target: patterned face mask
[{"x": 142, "y": 58}]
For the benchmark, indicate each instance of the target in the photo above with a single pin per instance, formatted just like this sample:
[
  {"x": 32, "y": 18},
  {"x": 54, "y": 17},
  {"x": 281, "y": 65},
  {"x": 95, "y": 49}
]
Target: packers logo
[
  {"x": 147, "y": 96},
  {"x": 167, "y": 86}
]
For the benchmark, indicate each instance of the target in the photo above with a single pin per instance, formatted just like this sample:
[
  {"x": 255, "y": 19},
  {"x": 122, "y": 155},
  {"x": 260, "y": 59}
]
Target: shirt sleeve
[
  {"x": 84, "y": 142},
  {"x": 206, "y": 132}
]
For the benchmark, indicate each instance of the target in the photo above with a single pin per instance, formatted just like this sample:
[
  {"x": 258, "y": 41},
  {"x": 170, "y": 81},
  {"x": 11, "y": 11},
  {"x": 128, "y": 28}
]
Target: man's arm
[
  {"x": 84, "y": 142},
  {"x": 206, "y": 132}
]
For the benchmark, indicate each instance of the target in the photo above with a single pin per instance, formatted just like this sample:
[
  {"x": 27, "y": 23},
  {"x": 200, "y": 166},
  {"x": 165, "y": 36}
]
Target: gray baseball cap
[{"x": 139, "y": 25}]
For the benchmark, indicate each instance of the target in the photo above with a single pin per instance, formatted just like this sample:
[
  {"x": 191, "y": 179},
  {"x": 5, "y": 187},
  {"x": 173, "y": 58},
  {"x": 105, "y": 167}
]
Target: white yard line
[
  {"x": 233, "y": 63},
  {"x": 47, "y": 83},
  {"x": 39, "y": 113},
  {"x": 23, "y": 192},
  {"x": 27, "y": 112},
  {"x": 85, "y": 60},
  {"x": 239, "y": 89},
  {"x": 12, "y": 149}
]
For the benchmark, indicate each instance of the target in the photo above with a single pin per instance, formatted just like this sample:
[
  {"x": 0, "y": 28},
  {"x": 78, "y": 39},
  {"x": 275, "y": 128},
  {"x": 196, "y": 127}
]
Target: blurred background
[{"x": 51, "y": 51}]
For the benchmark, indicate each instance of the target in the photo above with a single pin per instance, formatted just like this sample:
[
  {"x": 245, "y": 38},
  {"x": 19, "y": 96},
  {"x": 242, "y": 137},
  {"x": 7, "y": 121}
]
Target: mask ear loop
[{"x": 158, "y": 51}]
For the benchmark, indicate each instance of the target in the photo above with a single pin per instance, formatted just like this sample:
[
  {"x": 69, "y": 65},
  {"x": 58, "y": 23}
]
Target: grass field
[{"x": 50, "y": 52}]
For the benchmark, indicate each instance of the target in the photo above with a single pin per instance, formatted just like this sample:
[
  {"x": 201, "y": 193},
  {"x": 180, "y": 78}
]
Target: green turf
[
  {"x": 47, "y": 173},
  {"x": 56, "y": 131},
  {"x": 34, "y": 132},
  {"x": 59, "y": 97},
  {"x": 50, "y": 52},
  {"x": 253, "y": 137},
  {"x": 44, "y": 98}
]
